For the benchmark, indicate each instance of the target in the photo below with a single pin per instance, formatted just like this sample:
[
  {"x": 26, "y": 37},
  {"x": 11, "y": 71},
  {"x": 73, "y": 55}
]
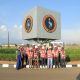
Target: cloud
[
  {"x": 3, "y": 28},
  {"x": 16, "y": 32},
  {"x": 3, "y": 31}
]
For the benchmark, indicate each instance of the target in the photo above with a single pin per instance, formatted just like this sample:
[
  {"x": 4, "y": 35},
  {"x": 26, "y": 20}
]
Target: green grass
[
  {"x": 9, "y": 53},
  {"x": 73, "y": 52},
  {"x": 8, "y": 57},
  {"x": 7, "y": 50}
]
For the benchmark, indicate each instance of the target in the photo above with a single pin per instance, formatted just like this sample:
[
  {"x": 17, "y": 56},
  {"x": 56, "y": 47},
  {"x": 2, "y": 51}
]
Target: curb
[{"x": 27, "y": 66}]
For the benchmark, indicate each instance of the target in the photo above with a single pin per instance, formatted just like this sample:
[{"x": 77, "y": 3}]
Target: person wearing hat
[
  {"x": 56, "y": 54},
  {"x": 45, "y": 47},
  {"x": 27, "y": 52},
  {"x": 18, "y": 58},
  {"x": 43, "y": 57},
  {"x": 62, "y": 60},
  {"x": 22, "y": 56},
  {"x": 35, "y": 57},
  {"x": 59, "y": 55},
  {"x": 49, "y": 58},
  {"x": 30, "y": 57}
]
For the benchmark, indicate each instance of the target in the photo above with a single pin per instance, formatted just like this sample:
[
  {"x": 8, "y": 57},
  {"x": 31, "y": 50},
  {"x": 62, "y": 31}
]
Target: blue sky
[{"x": 13, "y": 11}]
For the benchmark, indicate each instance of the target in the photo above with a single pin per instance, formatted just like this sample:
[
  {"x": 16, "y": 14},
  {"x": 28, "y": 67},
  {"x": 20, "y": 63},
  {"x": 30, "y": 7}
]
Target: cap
[
  {"x": 44, "y": 44},
  {"x": 55, "y": 46},
  {"x": 49, "y": 47},
  {"x": 36, "y": 47},
  {"x": 38, "y": 44},
  {"x": 33, "y": 44},
  {"x": 43, "y": 47}
]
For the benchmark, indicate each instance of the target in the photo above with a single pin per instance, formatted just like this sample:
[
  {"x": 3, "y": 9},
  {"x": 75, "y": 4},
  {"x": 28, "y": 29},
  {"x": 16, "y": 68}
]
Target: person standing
[
  {"x": 25, "y": 55},
  {"x": 49, "y": 58},
  {"x": 59, "y": 55},
  {"x": 52, "y": 48},
  {"x": 45, "y": 47},
  {"x": 36, "y": 58},
  {"x": 27, "y": 52},
  {"x": 18, "y": 58},
  {"x": 22, "y": 56},
  {"x": 43, "y": 57},
  {"x": 30, "y": 57},
  {"x": 56, "y": 61},
  {"x": 62, "y": 58}
]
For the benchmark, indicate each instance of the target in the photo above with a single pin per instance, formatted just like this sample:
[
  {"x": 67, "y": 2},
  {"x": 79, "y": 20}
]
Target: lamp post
[{"x": 8, "y": 39}]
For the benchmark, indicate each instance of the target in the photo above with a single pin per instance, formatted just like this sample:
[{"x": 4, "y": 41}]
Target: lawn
[
  {"x": 73, "y": 52},
  {"x": 9, "y": 53}
]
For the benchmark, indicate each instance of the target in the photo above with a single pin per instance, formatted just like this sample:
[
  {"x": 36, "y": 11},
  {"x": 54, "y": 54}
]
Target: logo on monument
[
  {"x": 49, "y": 23},
  {"x": 28, "y": 24}
]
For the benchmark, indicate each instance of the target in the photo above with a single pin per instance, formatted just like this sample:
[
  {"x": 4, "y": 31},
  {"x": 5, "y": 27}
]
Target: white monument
[{"x": 41, "y": 23}]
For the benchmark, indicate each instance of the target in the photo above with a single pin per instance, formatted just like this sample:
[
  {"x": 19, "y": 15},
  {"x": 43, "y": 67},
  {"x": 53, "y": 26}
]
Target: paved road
[{"x": 39, "y": 74}]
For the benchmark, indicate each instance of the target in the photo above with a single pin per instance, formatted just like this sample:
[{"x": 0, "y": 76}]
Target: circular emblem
[
  {"x": 49, "y": 23},
  {"x": 28, "y": 24}
]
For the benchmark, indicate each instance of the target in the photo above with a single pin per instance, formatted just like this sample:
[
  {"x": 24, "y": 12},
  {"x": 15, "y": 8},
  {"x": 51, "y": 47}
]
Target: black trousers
[
  {"x": 56, "y": 62},
  {"x": 22, "y": 61}
]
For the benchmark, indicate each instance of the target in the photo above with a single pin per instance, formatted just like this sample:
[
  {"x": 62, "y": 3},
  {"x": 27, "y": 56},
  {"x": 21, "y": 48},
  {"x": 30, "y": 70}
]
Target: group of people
[{"x": 40, "y": 55}]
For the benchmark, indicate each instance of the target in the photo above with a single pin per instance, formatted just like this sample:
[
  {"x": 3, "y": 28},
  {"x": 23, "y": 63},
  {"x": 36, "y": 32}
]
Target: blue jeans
[
  {"x": 50, "y": 62},
  {"x": 18, "y": 65}
]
